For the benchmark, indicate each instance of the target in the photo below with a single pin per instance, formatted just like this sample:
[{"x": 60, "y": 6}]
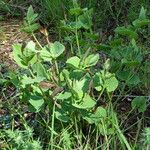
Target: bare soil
[{"x": 9, "y": 34}]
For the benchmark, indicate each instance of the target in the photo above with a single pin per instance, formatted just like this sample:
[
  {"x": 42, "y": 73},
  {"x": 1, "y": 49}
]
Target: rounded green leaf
[
  {"x": 139, "y": 103},
  {"x": 56, "y": 49},
  {"x": 40, "y": 71},
  {"x": 45, "y": 54},
  {"x": 37, "y": 102},
  {"x": 101, "y": 112},
  {"x": 74, "y": 62},
  {"x": 91, "y": 60},
  {"x": 111, "y": 84},
  {"x": 87, "y": 103}
]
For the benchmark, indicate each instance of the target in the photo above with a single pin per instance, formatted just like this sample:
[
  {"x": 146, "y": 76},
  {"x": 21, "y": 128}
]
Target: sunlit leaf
[
  {"x": 39, "y": 69},
  {"x": 31, "y": 16},
  {"x": 18, "y": 56},
  {"x": 91, "y": 60},
  {"x": 97, "y": 82},
  {"x": 56, "y": 49},
  {"x": 86, "y": 103},
  {"x": 63, "y": 96},
  {"x": 111, "y": 84},
  {"x": 73, "y": 61}
]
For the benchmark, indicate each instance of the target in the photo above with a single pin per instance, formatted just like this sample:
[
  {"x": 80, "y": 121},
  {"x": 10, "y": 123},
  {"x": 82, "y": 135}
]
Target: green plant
[
  {"x": 145, "y": 139},
  {"x": 19, "y": 140},
  {"x": 68, "y": 89},
  {"x": 29, "y": 21},
  {"x": 77, "y": 29},
  {"x": 4, "y": 7},
  {"x": 120, "y": 12},
  {"x": 126, "y": 53},
  {"x": 72, "y": 89},
  {"x": 53, "y": 10}
]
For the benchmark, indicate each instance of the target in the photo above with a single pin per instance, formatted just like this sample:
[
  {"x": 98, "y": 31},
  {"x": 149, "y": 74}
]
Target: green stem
[
  {"x": 120, "y": 134},
  {"x": 37, "y": 41},
  {"x": 77, "y": 40},
  {"x": 71, "y": 48},
  {"x": 100, "y": 94},
  {"x": 52, "y": 127},
  {"x": 138, "y": 132},
  {"x": 126, "y": 116},
  {"x": 78, "y": 45},
  {"x": 123, "y": 138},
  {"x": 108, "y": 95},
  {"x": 105, "y": 134},
  {"x": 31, "y": 72},
  {"x": 56, "y": 66}
]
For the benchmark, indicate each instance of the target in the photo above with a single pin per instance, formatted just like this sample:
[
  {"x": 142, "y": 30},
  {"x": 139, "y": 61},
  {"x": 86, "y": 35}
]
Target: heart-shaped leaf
[
  {"x": 37, "y": 102},
  {"x": 52, "y": 52}
]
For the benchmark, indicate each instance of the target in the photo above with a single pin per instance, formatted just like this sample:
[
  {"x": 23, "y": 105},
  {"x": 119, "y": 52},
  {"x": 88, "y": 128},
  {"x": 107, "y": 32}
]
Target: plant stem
[
  {"x": 100, "y": 94},
  {"x": 56, "y": 67},
  {"x": 105, "y": 134},
  {"x": 52, "y": 127},
  {"x": 138, "y": 131},
  {"x": 78, "y": 45},
  {"x": 120, "y": 134},
  {"x": 77, "y": 40},
  {"x": 37, "y": 41}
]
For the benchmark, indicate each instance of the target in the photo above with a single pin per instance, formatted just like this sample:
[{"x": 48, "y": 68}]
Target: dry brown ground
[{"x": 9, "y": 34}]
